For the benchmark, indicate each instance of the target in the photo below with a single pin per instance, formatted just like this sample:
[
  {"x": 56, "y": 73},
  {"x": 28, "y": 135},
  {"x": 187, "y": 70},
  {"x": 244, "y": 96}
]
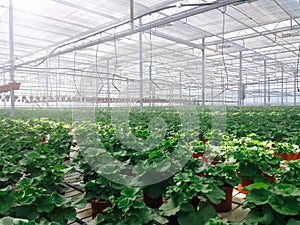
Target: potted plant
[
  {"x": 226, "y": 175},
  {"x": 183, "y": 206},
  {"x": 153, "y": 194},
  {"x": 34, "y": 203},
  {"x": 99, "y": 191},
  {"x": 198, "y": 147},
  {"x": 128, "y": 209},
  {"x": 286, "y": 151},
  {"x": 254, "y": 160},
  {"x": 273, "y": 203}
]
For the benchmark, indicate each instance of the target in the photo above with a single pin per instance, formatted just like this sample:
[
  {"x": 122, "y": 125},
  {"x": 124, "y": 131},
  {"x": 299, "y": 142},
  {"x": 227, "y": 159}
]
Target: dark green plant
[
  {"x": 285, "y": 148},
  {"x": 127, "y": 209},
  {"x": 225, "y": 172},
  {"x": 102, "y": 189},
  {"x": 253, "y": 157},
  {"x": 182, "y": 198},
  {"x": 218, "y": 221},
  {"x": 291, "y": 173},
  {"x": 276, "y": 203}
]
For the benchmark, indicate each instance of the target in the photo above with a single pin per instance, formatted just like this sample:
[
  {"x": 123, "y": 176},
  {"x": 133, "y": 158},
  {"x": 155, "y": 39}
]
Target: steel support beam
[
  {"x": 141, "y": 28},
  {"x": 203, "y": 73},
  {"x": 11, "y": 57},
  {"x": 265, "y": 82},
  {"x": 177, "y": 40},
  {"x": 108, "y": 85},
  {"x": 240, "y": 93},
  {"x": 141, "y": 65},
  {"x": 282, "y": 92},
  {"x": 295, "y": 88}
]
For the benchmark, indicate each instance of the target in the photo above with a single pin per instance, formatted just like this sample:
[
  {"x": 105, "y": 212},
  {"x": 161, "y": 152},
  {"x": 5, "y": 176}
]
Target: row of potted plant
[
  {"x": 10, "y": 86},
  {"x": 248, "y": 157},
  {"x": 32, "y": 173}
]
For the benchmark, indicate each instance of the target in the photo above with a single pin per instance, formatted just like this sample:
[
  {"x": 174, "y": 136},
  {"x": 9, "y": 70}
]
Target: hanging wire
[
  {"x": 97, "y": 71},
  {"x": 122, "y": 24},
  {"x": 151, "y": 56},
  {"x": 224, "y": 86},
  {"x": 223, "y": 42},
  {"x": 116, "y": 62},
  {"x": 74, "y": 81}
]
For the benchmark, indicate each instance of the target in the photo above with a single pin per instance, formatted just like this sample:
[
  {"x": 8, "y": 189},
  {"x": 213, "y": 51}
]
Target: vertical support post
[
  {"x": 47, "y": 80},
  {"x": 132, "y": 13},
  {"x": 203, "y": 72},
  {"x": 240, "y": 94},
  {"x": 282, "y": 72},
  {"x": 11, "y": 57},
  {"x": 269, "y": 91},
  {"x": 295, "y": 88},
  {"x": 212, "y": 95},
  {"x": 56, "y": 82},
  {"x": 150, "y": 86},
  {"x": 141, "y": 65},
  {"x": 108, "y": 85},
  {"x": 180, "y": 91},
  {"x": 265, "y": 82}
]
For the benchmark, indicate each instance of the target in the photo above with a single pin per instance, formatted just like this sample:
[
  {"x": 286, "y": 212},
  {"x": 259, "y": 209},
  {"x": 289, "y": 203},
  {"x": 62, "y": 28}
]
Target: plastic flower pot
[
  {"x": 288, "y": 157},
  {"x": 43, "y": 138},
  {"x": 226, "y": 204},
  {"x": 270, "y": 178},
  {"x": 152, "y": 203},
  {"x": 245, "y": 182},
  {"x": 99, "y": 206},
  {"x": 203, "y": 139},
  {"x": 198, "y": 155}
]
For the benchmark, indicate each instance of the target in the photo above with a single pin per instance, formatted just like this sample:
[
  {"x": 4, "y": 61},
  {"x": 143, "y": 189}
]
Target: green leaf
[
  {"x": 28, "y": 200},
  {"x": 293, "y": 222},
  {"x": 264, "y": 216},
  {"x": 256, "y": 185},
  {"x": 188, "y": 215},
  {"x": 131, "y": 192},
  {"x": 4, "y": 191},
  {"x": 287, "y": 190},
  {"x": 45, "y": 203},
  {"x": 169, "y": 208},
  {"x": 138, "y": 204},
  {"x": 9, "y": 221},
  {"x": 216, "y": 195},
  {"x": 160, "y": 220},
  {"x": 60, "y": 200},
  {"x": 27, "y": 212},
  {"x": 124, "y": 204},
  {"x": 285, "y": 206},
  {"x": 6, "y": 201},
  {"x": 258, "y": 196},
  {"x": 248, "y": 170},
  {"x": 61, "y": 215}
]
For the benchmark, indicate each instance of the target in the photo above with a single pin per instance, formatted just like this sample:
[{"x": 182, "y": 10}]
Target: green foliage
[{"x": 272, "y": 203}]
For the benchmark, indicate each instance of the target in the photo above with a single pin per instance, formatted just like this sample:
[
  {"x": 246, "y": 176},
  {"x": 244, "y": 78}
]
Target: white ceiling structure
[{"x": 230, "y": 51}]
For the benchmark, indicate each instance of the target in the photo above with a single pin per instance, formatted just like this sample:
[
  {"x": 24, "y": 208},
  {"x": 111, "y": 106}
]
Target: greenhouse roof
[{"x": 58, "y": 42}]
